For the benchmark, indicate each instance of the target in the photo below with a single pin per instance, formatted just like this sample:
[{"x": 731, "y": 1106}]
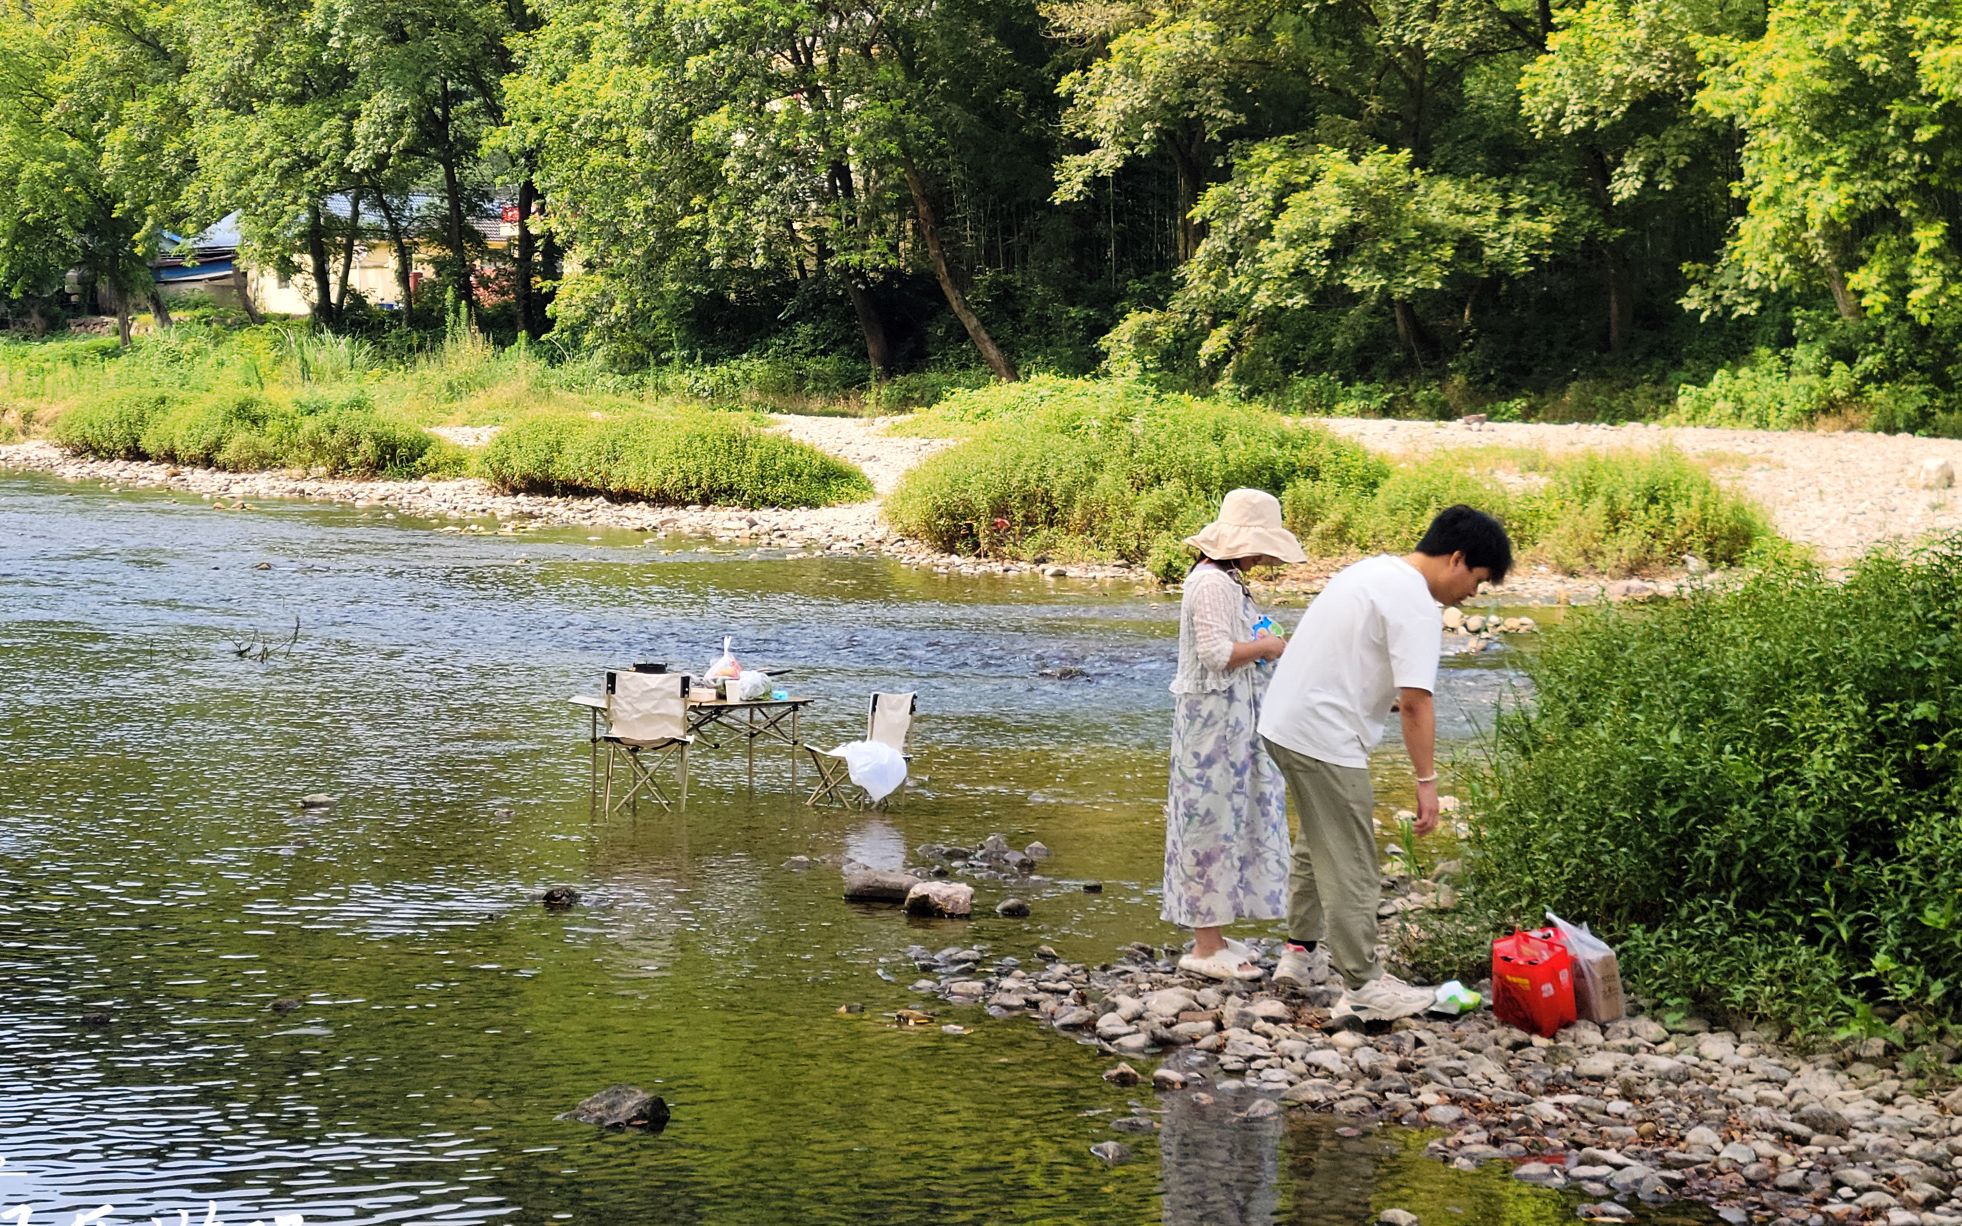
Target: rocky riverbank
[
  {"x": 1644, "y": 1110},
  {"x": 851, "y": 530},
  {"x": 1641, "y": 1110}
]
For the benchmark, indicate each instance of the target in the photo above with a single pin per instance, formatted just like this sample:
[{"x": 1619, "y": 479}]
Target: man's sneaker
[
  {"x": 1301, "y": 967},
  {"x": 1383, "y": 999}
]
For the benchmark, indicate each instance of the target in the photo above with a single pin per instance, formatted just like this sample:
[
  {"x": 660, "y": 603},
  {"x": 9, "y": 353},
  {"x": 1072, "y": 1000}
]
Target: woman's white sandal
[{"x": 1224, "y": 964}]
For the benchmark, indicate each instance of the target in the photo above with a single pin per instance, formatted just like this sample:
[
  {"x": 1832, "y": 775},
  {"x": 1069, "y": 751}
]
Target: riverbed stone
[
  {"x": 1112, "y": 1152},
  {"x": 623, "y": 1106},
  {"x": 1736, "y": 1154},
  {"x": 876, "y": 885},
  {"x": 940, "y": 899},
  {"x": 1168, "y": 1079},
  {"x": 1397, "y": 1217}
]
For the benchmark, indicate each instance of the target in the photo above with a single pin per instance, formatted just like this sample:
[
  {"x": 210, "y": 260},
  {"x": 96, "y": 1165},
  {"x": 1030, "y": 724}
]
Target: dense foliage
[
  {"x": 1457, "y": 206},
  {"x": 1756, "y": 794},
  {"x": 1071, "y": 468}
]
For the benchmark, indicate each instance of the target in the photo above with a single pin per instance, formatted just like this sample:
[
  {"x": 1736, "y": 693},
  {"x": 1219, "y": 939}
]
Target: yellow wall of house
[{"x": 372, "y": 276}]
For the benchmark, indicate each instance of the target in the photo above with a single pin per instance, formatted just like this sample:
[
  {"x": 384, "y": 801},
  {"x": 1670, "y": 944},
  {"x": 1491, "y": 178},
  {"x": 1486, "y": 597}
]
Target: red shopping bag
[{"x": 1533, "y": 981}]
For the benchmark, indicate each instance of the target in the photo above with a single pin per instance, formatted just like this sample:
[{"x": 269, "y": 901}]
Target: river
[{"x": 160, "y": 889}]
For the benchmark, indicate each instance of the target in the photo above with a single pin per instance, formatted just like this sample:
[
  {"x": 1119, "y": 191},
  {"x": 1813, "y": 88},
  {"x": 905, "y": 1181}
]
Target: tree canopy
[{"x": 1505, "y": 193}]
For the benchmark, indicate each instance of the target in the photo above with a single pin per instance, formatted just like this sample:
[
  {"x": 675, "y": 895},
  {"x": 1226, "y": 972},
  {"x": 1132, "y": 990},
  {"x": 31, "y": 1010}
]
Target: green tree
[
  {"x": 92, "y": 159},
  {"x": 809, "y": 140},
  {"x": 1852, "y": 144},
  {"x": 1617, "y": 84}
]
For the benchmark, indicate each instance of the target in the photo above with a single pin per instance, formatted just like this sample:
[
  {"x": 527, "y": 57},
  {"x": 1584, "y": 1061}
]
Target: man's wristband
[{"x": 1430, "y": 778}]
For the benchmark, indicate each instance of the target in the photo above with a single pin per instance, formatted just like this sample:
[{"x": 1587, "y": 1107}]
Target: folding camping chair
[
  {"x": 888, "y": 719},
  {"x": 647, "y": 714}
]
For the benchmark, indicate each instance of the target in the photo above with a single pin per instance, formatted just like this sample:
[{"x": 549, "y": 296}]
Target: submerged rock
[
  {"x": 622, "y": 1106},
  {"x": 1112, "y": 1152},
  {"x": 318, "y": 800},
  {"x": 1013, "y": 908},
  {"x": 560, "y": 898},
  {"x": 875, "y": 885}
]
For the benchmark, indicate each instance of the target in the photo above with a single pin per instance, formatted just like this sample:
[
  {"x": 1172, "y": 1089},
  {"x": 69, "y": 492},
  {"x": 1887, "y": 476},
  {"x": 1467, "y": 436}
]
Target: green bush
[
  {"x": 676, "y": 458},
  {"x": 1618, "y": 514},
  {"x": 358, "y": 443},
  {"x": 1079, "y": 469},
  {"x": 1622, "y": 514},
  {"x": 244, "y": 430},
  {"x": 111, "y": 426},
  {"x": 1392, "y": 516},
  {"x": 235, "y": 430},
  {"x": 1755, "y": 794}
]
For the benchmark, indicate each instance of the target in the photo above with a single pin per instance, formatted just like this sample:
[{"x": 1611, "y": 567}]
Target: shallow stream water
[{"x": 159, "y": 889}]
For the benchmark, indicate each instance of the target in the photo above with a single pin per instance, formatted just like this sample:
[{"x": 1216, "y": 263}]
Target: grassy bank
[
  {"x": 278, "y": 396},
  {"x": 1754, "y": 793},
  {"x": 675, "y": 457},
  {"x": 1112, "y": 470}
]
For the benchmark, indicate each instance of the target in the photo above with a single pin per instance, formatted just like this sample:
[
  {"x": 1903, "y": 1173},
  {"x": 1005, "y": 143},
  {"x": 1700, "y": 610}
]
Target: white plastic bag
[
  {"x": 724, "y": 665},
  {"x": 750, "y": 685},
  {"x": 874, "y": 766},
  {"x": 1597, "y": 974}
]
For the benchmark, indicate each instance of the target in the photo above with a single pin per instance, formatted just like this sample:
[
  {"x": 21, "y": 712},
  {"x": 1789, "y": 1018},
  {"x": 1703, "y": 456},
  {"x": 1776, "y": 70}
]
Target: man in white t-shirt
[{"x": 1368, "y": 645}]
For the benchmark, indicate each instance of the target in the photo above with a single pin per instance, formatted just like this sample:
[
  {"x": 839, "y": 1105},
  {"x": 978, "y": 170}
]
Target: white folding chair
[
  {"x": 647, "y": 714},
  {"x": 888, "y": 719}
]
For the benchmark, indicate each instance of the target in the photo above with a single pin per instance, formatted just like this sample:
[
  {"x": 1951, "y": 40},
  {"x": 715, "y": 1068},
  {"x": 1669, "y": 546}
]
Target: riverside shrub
[
  {"x": 242, "y": 430},
  {"x": 1756, "y": 794},
  {"x": 1108, "y": 470},
  {"x": 112, "y": 426},
  {"x": 1619, "y": 514},
  {"x": 678, "y": 457}
]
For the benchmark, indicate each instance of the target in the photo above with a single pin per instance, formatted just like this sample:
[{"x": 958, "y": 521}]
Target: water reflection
[{"x": 1219, "y": 1158}]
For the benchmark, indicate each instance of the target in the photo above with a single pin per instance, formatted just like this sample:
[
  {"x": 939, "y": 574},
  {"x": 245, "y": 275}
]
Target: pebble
[{"x": 1112, "y": 1152}]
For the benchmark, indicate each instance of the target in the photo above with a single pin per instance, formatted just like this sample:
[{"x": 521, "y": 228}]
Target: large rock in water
[
  {"x": 947, "y": 899},
  {"x": 623, "y": 1106},
  {"x": 875, "y": 885}
]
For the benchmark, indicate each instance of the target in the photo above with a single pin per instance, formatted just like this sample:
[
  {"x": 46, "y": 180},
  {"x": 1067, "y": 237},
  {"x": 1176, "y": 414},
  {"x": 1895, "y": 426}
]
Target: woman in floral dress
[{"x": 1226, "y": 832}]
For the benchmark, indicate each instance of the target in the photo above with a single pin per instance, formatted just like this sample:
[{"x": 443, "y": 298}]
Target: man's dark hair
[{"x": 1481, "y": 538}]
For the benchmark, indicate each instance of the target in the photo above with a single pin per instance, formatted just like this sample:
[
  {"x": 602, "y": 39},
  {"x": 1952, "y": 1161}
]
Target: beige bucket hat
[{"x": 1249, "y": 525}]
